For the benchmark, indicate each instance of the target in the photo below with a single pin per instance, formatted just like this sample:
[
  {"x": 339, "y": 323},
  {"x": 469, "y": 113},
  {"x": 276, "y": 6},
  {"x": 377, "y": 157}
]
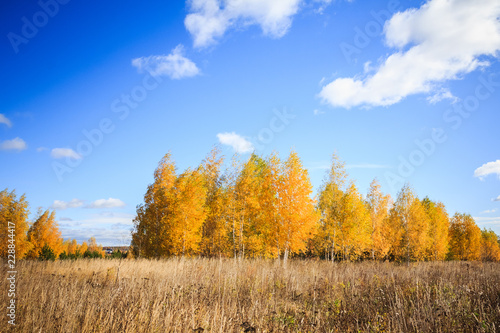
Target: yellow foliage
[
  {"x": 465, "y": 238},
  {"x": 13, "y": 221},
  {"x": 330, "y": 207},
  {"x": 214, "y": 241},
  {"x": 438, "y": 229},
  {"x": 490, "y": 248},
  {"x": 184, "y": 226},
  {"x": 44, "y": 231},
  {"x": 410, "y": 225},
  {"x": 378, "y": 205}
]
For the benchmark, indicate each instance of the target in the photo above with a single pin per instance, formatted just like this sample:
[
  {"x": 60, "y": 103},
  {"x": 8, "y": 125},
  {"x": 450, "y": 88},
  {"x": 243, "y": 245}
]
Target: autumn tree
[
  {"x": 297, "y": 221},
  {"x": 331, "y": 194},
  {"x": 65, "y": 246},
  {"x": 82, "y": 248},
  {"x": 465, "y": 238},
  {"x": 232, "y": 211},
  {"x": 490, "y": 249},
  {"x": 149, "y": 232},
  {"x": 215, "y": 237},
  {"x": 94, "y": 247},
  {"x": 44, "y": 232},
  {"x": 410, "y": 226},
  {"x": 72, "y": 248},
  {"x": 184, "y": 228},
  {"x": 13, "y": 223},
  {"x": 353, "y": 228},
  {"x": 378, "y": 206},
  {"x": 251, "y": 224},
  {"x": 271, "y": 206},
  {"x": 438, "y": 229}
]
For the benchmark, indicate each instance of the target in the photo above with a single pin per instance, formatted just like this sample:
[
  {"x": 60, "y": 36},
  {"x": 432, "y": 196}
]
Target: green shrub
[
  {"x": 92, "y": 255},
  {"x": 46, "y": 253},
  {"x": 117, "y": 254}
]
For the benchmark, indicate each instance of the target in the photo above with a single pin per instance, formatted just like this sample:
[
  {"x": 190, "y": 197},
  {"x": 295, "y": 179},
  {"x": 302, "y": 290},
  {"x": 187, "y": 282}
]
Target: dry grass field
[{"x": 202, "y": 295}]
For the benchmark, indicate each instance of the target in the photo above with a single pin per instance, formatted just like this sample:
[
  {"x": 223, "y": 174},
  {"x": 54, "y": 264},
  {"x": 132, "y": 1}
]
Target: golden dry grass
[{"x": 182, "y": 295}]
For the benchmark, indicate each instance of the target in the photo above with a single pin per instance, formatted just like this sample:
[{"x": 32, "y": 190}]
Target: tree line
[
  {"x": 39, "y": 238},
  {"x": 263, "y": 207}
]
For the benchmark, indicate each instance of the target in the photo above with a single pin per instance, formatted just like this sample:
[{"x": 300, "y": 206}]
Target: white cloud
[
  {"x": 75, "y": 203},
  {"x": 14, "y": 144},
  {"x": 5, "y": 120},
  {"x": 483, "y": 221},
  {"x": 103, "y": 235},
  {"x": 496, "y": 199},
  {"x": 61, "y": 205},
  {"x": 441, "y": 95},
  {"x": 106, "y": 203},
  {"x": 108, "y": 229},
  {"x": 40, "y": 149},
  {"x": 102, "y": 219},
  {"x": 488, "y": 211},
  {"x": 65, "y": 152},
  {"x": 209, "y": 20},
  {"x": 440, "y": 41},
  {"x": 237, "y": 142},
  {"x": 323, "y": 4},
  {"x": 174, "y": 65},
  {"x": 488, "y": 169},
  {"x": 318, "y": 112}
]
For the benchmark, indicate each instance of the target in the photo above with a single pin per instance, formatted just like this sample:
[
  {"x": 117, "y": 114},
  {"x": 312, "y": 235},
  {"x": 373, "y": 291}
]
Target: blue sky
[{"x": 95, "y": 93}]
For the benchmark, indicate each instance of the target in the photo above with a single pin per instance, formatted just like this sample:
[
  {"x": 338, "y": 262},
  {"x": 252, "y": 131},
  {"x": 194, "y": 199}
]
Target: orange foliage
[
  {"x": 490, "y": 248},
  {"x": 13, "y": 221},
  {"x": 378, "y": 205},
  {"x": 44, "y": 231},
  {"x": 465, "y": 238}
]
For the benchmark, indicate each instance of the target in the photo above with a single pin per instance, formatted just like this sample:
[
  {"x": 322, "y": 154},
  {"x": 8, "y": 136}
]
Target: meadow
[{"x": 225, "y": 295}]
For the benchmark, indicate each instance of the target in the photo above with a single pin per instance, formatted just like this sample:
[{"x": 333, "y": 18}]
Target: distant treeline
[
  {"x": 263, "y": 207},
  {"x": 41, "y": 238}
]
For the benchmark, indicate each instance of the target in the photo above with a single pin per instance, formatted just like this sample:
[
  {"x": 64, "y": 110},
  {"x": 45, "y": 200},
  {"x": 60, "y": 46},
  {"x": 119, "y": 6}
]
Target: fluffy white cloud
[
  {"x": 61, "y": 205},
  {"x": 65, "y": 152},
  {"x": 174, "y": 65},
  {"x": 14, "y": 144},
  {"x": 208, "y": 20},
  {"x": 106, "y": 203},
  {"x": 497, "y": 198},
  {"x": 442, "y": 40},
  {"x": 5, "y": 120},
  {"x": 488, "y": 169},
  {"x": 237, "y": 142}
]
